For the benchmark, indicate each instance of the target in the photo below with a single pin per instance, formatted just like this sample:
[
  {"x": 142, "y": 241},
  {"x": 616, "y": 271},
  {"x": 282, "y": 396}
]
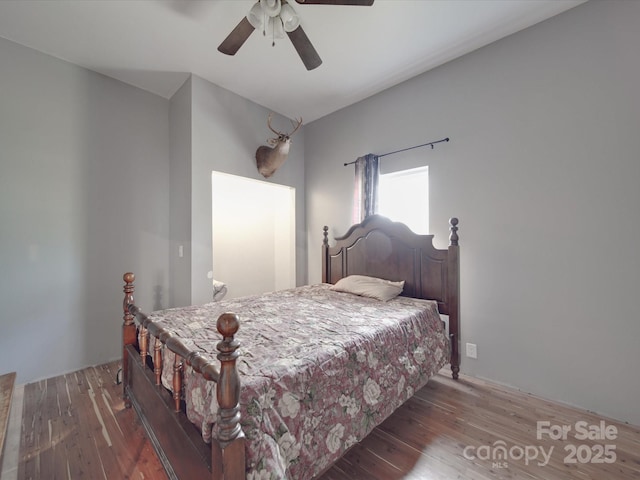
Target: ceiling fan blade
[
  {"x": 303, "y": 46},
  {"x": 237, "y": 37},
  {"x": 363, "y": 3}
]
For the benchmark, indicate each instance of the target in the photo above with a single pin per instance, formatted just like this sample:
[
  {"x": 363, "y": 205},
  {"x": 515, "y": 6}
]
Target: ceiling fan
[{"x": 275, "y": 17}]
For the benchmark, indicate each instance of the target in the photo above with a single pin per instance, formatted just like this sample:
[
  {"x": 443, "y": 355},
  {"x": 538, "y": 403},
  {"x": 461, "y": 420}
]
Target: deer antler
[
  {"x": 296, "y": 126},
  {"x": 270, "y": 127}
]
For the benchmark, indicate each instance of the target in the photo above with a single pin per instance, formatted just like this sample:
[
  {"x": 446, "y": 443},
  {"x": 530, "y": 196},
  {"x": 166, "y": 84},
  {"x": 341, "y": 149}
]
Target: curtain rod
[{"x": 405, "y": 149}]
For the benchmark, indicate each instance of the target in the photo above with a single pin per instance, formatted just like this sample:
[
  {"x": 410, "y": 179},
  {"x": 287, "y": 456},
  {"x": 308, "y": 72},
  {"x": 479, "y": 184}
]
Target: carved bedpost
[
  {"x": 128, "y": 332},
  {"x": 325, "y": 254},
  {"x": 228, "y": 454},
  {"x": 454, "y": 296},
  {"x": 453, "y": 228}
]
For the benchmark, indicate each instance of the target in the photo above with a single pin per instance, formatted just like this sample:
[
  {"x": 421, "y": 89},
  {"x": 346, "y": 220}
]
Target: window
[{"x": 404, "y": 197}]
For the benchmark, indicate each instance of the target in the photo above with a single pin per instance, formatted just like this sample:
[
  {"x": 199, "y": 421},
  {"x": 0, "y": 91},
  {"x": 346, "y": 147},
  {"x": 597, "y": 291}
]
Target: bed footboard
[{"x": 177, "y": 442}]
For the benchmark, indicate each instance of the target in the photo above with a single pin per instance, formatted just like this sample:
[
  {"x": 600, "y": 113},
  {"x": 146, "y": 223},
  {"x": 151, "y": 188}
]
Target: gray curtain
[{"x": 365, "y": 195}]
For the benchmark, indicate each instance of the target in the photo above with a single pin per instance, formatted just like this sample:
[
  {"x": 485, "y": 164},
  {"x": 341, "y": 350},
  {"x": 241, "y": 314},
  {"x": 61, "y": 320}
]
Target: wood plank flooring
[
  {"x": 76, "y": 427},
  {"x": 448, "y": 429},
  {"x": 12, "y": 447},
  {"x": 7, "y": 382}
]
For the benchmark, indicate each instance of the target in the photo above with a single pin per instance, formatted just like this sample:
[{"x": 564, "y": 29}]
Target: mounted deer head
[{"x": 269, "y": 159}]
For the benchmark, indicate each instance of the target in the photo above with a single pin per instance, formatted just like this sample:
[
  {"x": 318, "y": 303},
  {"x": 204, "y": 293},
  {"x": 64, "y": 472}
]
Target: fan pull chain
[{"x": 264, "y": 24}]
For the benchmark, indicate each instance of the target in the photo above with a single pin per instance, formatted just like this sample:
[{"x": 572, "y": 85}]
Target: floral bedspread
[{"x": 319, "y": 370}]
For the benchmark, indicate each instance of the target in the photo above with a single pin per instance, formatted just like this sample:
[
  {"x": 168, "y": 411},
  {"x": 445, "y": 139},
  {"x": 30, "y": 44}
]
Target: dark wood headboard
[{"x": 381, "y": 248}]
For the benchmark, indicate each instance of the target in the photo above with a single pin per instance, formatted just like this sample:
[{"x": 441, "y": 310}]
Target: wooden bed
[{"x": 376, "y": 247}]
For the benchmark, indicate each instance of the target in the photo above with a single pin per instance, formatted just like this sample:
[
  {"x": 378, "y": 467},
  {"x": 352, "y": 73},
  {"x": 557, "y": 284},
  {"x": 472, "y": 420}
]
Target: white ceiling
[{"x": 155, "y": 44}]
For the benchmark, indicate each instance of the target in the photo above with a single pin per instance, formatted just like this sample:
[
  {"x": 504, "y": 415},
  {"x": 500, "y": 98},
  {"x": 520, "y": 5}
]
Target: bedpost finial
[
  {"x": 228, "y": 324},
  {"x": 453, "y": 228},
  {"x": 325, "y": 235},
  {"x": 128, "y": 289},
  {"x": 228, "y": 425}
]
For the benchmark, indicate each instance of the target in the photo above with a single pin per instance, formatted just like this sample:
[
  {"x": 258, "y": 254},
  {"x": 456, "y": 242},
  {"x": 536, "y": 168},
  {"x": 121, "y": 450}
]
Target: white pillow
[{"x": 371, "y": 287}]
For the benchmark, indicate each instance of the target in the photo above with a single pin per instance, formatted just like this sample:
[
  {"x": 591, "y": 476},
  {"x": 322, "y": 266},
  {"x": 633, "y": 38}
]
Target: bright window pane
[{"x": 404, "y": 197}]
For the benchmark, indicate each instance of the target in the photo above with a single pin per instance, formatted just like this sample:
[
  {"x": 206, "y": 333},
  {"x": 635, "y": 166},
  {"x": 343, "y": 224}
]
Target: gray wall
[
  {"x": 226, "y": 130},
  {"x": 84, "y": 178},
  {"x": 180, "y": 198},
  {"x": 99, "y": 178},
  {"x": 542, "y": 170}
]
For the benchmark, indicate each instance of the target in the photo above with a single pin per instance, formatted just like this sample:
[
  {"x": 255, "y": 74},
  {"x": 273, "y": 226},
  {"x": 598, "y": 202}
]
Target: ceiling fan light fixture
[
  {"x": 274, "y": 18},
  {"x": 274, "y": 29},
  {"x": 255, "y": 16},
  {"x": 290, "y": 19},
  {"x": 271, "y": 7}
]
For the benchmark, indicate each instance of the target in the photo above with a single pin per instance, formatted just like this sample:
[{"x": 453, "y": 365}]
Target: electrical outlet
[{"x": 472, "y": 350}]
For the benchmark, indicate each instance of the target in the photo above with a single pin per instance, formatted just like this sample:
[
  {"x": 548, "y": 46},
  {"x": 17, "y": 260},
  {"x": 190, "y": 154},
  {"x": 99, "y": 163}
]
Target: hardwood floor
[
  {"x": 448, "y": 428},
  {"x": 75, "y": 426},
  {"x": 7, "y": 382}
]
